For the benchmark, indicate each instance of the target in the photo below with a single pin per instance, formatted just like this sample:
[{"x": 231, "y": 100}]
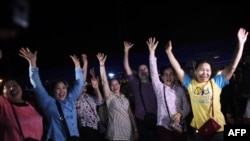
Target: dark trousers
[
  {"x": 145, "y": 133},
  {"x": 90, "y": 134}
]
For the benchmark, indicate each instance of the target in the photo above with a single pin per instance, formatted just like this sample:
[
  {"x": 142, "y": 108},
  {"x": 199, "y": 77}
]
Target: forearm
[
  {"x": 85, "y": 70},
  {"x": 32, "y": 64},
  {"x": 175, "y": 64},
  {"x": 98, "y": 93},
  {"x": 237, "y": 56},
  {"x": 104, "y": 80},
  {"x": 151, "y": 52},
  {"x": 126, "y": 63},
  {"x": 229, "y": 71}
]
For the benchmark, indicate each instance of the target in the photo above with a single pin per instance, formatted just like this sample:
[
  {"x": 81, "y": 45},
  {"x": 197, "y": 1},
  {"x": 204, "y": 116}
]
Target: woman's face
[
  {"x": 203, "y": 72},
  {"x": 12, "y": 91},
  {"x": 115, "y": 86},
  {"x": 60, "y": 91},
  {"x": 168, "y": 77}
]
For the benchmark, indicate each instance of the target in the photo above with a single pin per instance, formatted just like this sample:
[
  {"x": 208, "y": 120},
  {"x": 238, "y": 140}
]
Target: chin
[{"x": 61, "y": 98}]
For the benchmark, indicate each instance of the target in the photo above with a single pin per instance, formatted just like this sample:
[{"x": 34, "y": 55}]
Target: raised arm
[
  {"x": 229, "y": 70},
  {"x": 127, "y": 46},
  {"x": 85, "y": 67},
  {"x": 175, "y": 64},
  {"x": 95, "y": 85},
  {"x": 42, "y": 96},
  {"x": 105, "y": 84},
  {"x": 76, "y": 90},
  {"x": 92, "y": 72}
]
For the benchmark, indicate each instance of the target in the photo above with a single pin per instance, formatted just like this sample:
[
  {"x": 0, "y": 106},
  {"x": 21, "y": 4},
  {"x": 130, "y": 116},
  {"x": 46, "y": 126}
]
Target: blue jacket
[{"x": 48, "y": 105}]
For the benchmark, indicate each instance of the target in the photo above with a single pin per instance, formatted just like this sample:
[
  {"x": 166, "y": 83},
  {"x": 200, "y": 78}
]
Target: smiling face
[
  {"x": 203, "y": 72},
  {"x": 12, "y": 91},
  {"x": 168, "y": 77},
  {"x": 115, "y": 86},
  {"x": 60, "y": 90}
]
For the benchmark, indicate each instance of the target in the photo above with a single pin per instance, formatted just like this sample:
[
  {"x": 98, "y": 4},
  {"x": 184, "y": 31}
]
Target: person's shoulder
[
  {"x": 1, "y": 98},
  {"x": 179, "y": 87}
]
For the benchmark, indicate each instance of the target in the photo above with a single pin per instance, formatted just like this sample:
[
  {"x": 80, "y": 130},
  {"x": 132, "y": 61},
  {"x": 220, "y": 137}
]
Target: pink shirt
[
  {"x": 176, "y": 98},
  {"x": 30, "y": 120}
]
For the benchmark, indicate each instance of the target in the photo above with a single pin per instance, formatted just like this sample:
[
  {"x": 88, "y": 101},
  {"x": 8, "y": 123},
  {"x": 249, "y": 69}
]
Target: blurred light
[
  {"x": 14, "y": 17},
  {"x": 219, "y": 72},
  {"x": 111, "y": 75},
  {"x": 1, "y": 81},
  {"x": 215, "y": 57}
]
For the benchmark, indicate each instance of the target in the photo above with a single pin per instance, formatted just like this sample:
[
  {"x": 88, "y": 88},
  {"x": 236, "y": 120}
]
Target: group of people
[{"x": 168, "y": 95}]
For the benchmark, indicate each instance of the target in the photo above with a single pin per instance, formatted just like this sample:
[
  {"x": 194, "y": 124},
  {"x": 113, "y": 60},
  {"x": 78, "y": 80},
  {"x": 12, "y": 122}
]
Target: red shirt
[{"x": 30, "y": 121}]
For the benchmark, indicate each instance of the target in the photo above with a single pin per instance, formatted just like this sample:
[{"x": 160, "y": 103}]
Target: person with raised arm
[
  {"x": 86, "y": 106},
  {"x": 204, "y": 90},
  {"x": 121, "y": 122},
  {"x": 172, "y": 102},
  {"x": 60, "y": 93},
  {"x": 144, "y": 97},
  {"x": 19, "y": 119}
]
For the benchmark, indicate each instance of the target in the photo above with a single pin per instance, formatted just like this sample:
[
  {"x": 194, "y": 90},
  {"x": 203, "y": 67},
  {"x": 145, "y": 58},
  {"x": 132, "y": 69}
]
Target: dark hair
[
  {"x": 163, "y": 68},
  {"x": 201, "y": 61},
  {"x": 26, "y": 94},
  {"x": 112, "y": 79},
  {"x": 53, "y": 84},
  {"x": 6, "y": 80}
]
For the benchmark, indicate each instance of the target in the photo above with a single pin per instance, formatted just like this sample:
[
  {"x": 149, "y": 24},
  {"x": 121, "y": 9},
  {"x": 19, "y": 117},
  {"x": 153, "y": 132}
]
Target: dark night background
[{"x": 60, "y": 28}]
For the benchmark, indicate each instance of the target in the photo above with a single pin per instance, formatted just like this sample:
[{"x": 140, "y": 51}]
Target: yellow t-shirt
[{"x": 201, "y": 100}]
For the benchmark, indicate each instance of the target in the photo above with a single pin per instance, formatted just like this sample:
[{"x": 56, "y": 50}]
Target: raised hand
[
  {"x": 76, "y": 61},
  {"x": 152, "y": 43},
  {"x": 168, "y": 47},
  {"x": 127, "y": 45},
  {"x": 28, "y": 55},
  {"x": 242, "y": 35},
  {"x": 102, "y": 58}
]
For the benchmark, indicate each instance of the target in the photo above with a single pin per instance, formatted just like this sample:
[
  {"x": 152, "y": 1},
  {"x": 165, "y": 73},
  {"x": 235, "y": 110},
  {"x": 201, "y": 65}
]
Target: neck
[
  {"x": 117, "y": 93},
  {"x": 16, "y": 101}
]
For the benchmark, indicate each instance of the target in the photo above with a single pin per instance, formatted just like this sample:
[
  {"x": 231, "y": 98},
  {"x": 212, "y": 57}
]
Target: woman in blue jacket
[{"x": 60, "y": 93}]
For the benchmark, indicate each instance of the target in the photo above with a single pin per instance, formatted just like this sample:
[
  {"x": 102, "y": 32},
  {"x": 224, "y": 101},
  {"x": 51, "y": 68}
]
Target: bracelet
[{"x": 101, "y": 65}]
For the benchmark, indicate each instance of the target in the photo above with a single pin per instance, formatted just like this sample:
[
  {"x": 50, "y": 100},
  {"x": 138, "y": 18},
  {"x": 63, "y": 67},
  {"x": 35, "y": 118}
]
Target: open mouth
[{"x": 13, "y": 93}]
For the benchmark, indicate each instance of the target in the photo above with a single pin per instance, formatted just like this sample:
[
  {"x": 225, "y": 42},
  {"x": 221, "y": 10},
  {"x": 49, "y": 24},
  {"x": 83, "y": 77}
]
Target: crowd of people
[{"x": 73, "y": 111}]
